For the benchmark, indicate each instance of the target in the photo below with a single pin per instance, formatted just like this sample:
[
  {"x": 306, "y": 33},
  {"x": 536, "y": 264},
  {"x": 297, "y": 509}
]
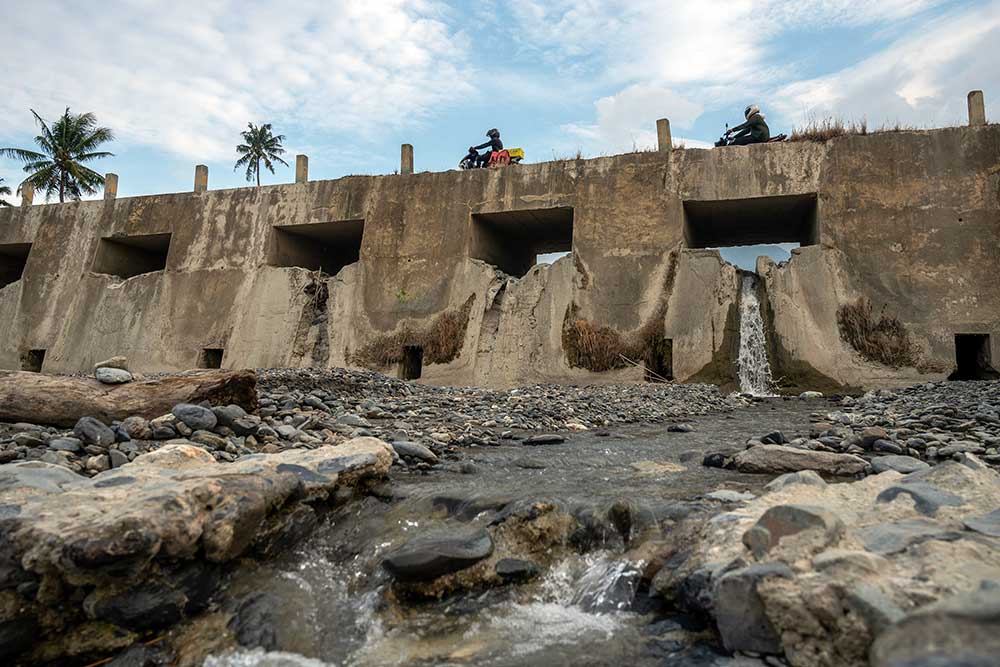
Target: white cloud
[
  {"x": 187, "y": 76},
  {"x": 921, "y": 79}
]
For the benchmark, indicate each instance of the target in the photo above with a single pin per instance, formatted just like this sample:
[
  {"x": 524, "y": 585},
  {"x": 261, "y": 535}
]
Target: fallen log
[{"x": 61, "y": 400}]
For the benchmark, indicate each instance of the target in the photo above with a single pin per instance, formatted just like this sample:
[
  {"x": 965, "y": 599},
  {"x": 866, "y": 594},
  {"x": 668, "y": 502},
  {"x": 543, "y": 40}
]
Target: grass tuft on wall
[
  {"x": 441, "y": 340},
  {"x": 880, "y": 338}
]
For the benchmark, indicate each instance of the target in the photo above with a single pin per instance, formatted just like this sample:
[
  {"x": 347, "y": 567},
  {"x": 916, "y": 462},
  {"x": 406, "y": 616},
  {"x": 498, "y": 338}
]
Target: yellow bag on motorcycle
[{"x": 516, "y": 153}]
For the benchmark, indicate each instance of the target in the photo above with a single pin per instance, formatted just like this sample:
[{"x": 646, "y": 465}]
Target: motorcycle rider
[
  {"x": 494, "y": 144},
  {"x": 753, "y": 131}
]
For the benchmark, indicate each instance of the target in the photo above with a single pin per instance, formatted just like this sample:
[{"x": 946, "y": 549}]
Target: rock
[
  {"x": 903, "y": 464},
  {"x": 137, "y": 428},
  {"x": 227, "y": 415},
  {"x": 928, "y": 498},
  {"x": 139, "y": 655},
  {"x": 427, "y": 558},
  {"x": 811, "y": 394},
  {"x": 871, "y": 434},
  {"x": 29, "y": 440},
  {"x": 887, "y": 446},
  {"x": 414, "y": 450},
  {"x": 960, "y": 631},
  {"x": 16, "y": 637},
  {"x": 255, "y": 620},
  {"x": 353, "y": 420},
  {"x": 64, "y": 459},
  {"x": 245, "y": 426},
  {"x": 209, "y": 439},
  {"x": 141, "y": 608},
  {"x": 807, "y": 477},
  {"x": 109, "y": 375},
  {"x": 549, "y": 439},
  {"x": 27, "y": 477},
  {"x": 98, "y": 463},
  {"x": 287, "y": 432},
  {"x": 873, "y": 605},
  {"x": 850, "y": 561},
  {"x": 195, "y": 417},
  {"x": 66, "y": 444},
  {"x": 824, "y": 528},
  {"x": 680, "y": 428},
  {"x": 7, "y": 455},
  {"x": 987, "y": 524},
  {"x": 739, "y": 611},
  {"x": 516, "y": 570},
  {"x": 774, "y": 459},
  {"x": 117, "y": 458},
  {"x": 729, "y": 496},
  {"x": 890, "y": 538},
  {"x": 774, "y": 438},
  {"x": 162, "y": 431},
  {"x": 94, "y": 432},
  {"x": 120, "y": 363},
  {"x": 960, "y": 447}
]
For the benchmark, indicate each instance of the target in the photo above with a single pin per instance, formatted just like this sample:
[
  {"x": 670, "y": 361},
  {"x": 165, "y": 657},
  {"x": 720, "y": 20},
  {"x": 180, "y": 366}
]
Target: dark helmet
[
  {"x": 493, "y": 134},
  {"x": 750, "y": 110}
]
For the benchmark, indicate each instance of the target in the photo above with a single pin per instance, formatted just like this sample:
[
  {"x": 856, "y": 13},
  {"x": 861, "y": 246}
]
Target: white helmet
[{"x": 751, "y": 110}]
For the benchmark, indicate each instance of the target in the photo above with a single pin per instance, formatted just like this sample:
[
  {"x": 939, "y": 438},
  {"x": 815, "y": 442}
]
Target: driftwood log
[{"x": 61, "y": 400}]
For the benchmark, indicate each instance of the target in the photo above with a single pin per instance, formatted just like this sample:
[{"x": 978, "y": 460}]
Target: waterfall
[{"x": 752, "y": 365}]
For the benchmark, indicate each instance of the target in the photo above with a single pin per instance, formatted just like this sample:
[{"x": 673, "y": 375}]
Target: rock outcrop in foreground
[{"x": 88, "y": 564}]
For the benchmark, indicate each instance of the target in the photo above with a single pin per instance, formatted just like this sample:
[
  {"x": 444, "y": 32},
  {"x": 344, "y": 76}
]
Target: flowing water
[
  {"x": 589, "y": 608},
  {"x": 752, "y": 365}
]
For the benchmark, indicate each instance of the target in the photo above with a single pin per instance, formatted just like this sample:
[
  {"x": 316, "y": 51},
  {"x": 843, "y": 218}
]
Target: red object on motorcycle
[{"x": 499, "y": 159}]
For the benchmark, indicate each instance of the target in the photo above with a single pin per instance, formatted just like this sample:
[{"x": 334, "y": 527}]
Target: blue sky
[{"x": 348, "y": 81}]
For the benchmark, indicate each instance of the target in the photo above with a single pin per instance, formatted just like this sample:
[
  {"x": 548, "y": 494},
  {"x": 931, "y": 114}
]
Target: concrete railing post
[
  {"x": 977, "y": 108},
  {"x": 27, "y": 194},
  {"x": 406, "y": 159},
  {"x": 301, "y": 168},
  {"x": 110, "y": 186},
  {"x": 200, "y": 178},
  {"x": 663, "y": 141}
]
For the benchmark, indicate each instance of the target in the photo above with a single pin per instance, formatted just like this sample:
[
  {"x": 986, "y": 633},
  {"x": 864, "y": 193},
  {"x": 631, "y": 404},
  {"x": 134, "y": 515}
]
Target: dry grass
[
  {"x": 830, "y": 128},
  {"x": 881, "y": 338},
  {"x": 441, "y": 341}
]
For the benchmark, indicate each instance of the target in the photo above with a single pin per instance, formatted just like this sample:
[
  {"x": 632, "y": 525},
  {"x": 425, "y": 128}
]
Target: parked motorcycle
[
  {"x": 726, "y": 140},
  {"x": 502, "y": 158}
]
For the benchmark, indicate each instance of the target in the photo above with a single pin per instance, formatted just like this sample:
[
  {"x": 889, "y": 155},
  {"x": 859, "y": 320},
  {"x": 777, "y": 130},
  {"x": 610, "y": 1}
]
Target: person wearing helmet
[
  {"x": 494, "y": 144},
  {"x": 753, "y": 131}
]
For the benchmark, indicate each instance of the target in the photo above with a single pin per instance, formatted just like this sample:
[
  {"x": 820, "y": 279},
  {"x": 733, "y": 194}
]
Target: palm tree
[
  {"x": 4, "y": 190},
  {"x": 260, "y": 145},
  {"x": 58, "y": 168}
]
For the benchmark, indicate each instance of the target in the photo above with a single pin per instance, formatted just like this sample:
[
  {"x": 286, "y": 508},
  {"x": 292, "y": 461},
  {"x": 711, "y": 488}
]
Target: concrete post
[
  {"x": 301, "y": 168},
  {"x": 977, "y": 108},
  {"x": 110, "y": 186},
  {"x": 406, "y": 159},
  {"x": 27, "y": 194},
  {"x": 663, "y": 142},
  {"x": 200, "y": 178}
]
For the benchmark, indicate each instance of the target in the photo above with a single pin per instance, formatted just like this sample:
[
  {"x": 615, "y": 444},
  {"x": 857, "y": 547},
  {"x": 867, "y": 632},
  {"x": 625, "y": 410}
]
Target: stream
[{"x": 584, "y": 609}]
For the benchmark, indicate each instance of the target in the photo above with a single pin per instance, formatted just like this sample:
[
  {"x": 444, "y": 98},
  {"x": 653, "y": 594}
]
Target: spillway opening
[
  {"x": 32, "y": 360},
  {"x": 659, "y": 365},
  {"x": 321, "y": 246},
  {"x": 13, "y": 259},
  {"x": 513, "y": 240},
  {"x": 413, "y": 362},
  {"x": 973, "y": 358},
  {"x": 128, "y": 256},
  {"x": 211, "y": 357},
  {"x": 718, "y": 223}
]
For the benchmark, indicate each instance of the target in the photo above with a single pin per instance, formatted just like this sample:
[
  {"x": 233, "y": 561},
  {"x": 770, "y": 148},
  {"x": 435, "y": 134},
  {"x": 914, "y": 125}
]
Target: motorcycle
[
  {"x": 502, "y": 158},
  {"x": 726, "y": 140}
]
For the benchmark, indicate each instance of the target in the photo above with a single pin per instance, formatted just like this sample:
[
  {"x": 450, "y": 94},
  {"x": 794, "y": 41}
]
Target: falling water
[{"x": 754, "y": 369}]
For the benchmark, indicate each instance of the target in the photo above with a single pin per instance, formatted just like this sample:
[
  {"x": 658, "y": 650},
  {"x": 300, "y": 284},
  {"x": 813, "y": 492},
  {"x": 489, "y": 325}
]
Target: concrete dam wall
[{"x": 433, "y": 275}]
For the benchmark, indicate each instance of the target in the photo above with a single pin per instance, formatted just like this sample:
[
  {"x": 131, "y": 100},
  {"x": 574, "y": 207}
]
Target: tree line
[{"x": 58, "y": 166}]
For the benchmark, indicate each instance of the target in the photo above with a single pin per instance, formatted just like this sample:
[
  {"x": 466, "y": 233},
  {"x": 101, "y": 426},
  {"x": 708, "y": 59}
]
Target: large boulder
[
  {"x": 778, "y": 459},
  {"x": 432, "y": 556},
  {"x": 739, "y": 611}
]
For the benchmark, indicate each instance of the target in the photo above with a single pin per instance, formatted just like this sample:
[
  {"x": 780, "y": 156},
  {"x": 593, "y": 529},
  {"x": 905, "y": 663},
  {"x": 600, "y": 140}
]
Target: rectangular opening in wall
[
  {"x": 13, "y": 259},
  {"x": 973, "y": 358},
  {"x": 128, "y": 256},
  {"x": 325, "y": 246},
  {"x": 717, "y": 223},
  {"x": 659, "y": 366},
  {"x": 211, "y": 357},
  {"x": 32, "y": 360},
  {"x": 413, "y": 362},
  {"x": 513, "y": 241}
]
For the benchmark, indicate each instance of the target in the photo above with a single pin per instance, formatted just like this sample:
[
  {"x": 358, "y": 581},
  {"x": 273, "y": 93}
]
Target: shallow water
[{"x": 581, "y": 611}]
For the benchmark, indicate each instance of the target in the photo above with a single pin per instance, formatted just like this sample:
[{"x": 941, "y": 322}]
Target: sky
[{"x": 348, "y": 81}]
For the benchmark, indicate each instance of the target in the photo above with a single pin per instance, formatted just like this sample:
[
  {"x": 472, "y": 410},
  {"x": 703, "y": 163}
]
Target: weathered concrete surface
[{"x": 920, "y": 240}]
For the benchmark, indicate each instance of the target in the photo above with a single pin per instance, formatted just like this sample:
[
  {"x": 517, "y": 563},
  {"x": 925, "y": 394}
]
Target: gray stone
[
  {"x": 209, "y": 439},
  {"x": 516, "y": 570},
  {"x": 65, "y": 444},
  {"x": 286, "y": 431},
  {"x": 811, "y": 394},
  {"x": 227, "y": 414},
  {"x": 353, "y": 420},
  {"x": 786, "y": 520},
  {"x": 109, "y": 375},
  {"x": 37, "y": 476},
  {"x": 195, "y": 416},
  {"x": 887, "y": 446},
  {"x": 872, "y": 604},
  {"x": 870, "y": 434},
  {"x": 414, "y": 450},
  {"x": 890, "y": 538},
  {"x": 427, "y": 558},
  {"x": 903, "y": 464},
  {"x": 987, "y": 524},
  {"x": 774, "y": 438},
  {"x": 137, "y": 428},
  {"x": 928, "y": 498},
  {"x": 776, "y": 459},
  {"x": 245, "y": 426},
  {"x": 960, "y": 447},
  {"x": 548, "y": 439},
  {"x": 58, "y": 458},
  {"x": 960, "y": 631},
  {"x": 98, "y": 463},
  {"x": 93, "y": 432},
  {"x": 807, "y": 477},
  {"x": 29, "y": 440},
  {"x": 739, "y": 611},
  {"x": 729, "y": 496},
  {"x": 114, "y": 362}
]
